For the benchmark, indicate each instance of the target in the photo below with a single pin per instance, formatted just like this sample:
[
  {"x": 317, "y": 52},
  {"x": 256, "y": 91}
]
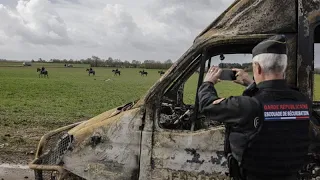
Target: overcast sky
[{"x": 125, "y": 29}]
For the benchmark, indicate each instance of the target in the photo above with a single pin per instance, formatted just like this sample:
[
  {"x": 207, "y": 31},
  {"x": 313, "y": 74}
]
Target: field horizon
[{"x": 31, "y": 106}]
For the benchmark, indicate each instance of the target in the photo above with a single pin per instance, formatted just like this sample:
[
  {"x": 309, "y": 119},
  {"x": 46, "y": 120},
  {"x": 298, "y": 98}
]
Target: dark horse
[
  {"x": 43, "y": 73},
  {"x": 161, "y": 72},
  {"x": 143, "y": 73},
  {"x": 116, "y": 72},
  {"x": 91, "y": 71}
]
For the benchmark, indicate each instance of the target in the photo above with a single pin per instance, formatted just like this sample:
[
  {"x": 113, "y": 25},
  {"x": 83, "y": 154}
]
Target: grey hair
[{"x": 272, "y": 63}]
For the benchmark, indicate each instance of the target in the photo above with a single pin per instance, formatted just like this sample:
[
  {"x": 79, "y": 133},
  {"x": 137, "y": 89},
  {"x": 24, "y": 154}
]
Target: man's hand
[
  {"x": 213, "y": 75},
  {"x": 244, "y": 78}
]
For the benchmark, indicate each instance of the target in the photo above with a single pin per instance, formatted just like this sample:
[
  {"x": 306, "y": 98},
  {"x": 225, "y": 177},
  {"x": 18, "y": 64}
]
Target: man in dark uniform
[{"x": 266, "y": 127}]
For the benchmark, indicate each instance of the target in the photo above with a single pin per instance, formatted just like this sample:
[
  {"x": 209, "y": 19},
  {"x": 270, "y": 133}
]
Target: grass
[
  {"x": 69, "y": 94},
  {"x": 30, "y": 106}
]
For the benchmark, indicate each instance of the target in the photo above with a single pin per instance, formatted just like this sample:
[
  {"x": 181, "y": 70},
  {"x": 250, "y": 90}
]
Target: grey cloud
[
  {"x": 317, "y": 55},
  {"x": 111, "y": 28},
  {"x": 158, "y": 29},
  {"x": 65, "y": 1},
  {"x": 190, "y": 14},
  {"x": 9, "y": 3},
  {"x": 189, "y": 5},
  {"x": 34, "y": 22}
]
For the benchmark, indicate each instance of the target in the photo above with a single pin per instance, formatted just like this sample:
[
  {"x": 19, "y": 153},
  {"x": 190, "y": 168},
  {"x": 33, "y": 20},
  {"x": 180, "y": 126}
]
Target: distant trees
[
  {"x": 246, "y": 66},
  {"x": 41, "y": 60},
  {"x": 96, "y": 61}
]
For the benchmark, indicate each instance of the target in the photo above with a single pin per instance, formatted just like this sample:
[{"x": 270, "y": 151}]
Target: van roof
[{"x": 252, "y": 17}]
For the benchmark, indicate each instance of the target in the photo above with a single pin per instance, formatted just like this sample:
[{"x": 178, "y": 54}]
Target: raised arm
[{"x": 235, "y": 109}]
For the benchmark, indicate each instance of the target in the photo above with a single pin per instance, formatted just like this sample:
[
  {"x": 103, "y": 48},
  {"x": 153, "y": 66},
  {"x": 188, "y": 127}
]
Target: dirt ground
[
  {"x": 15, "y": 172},
  {"x": 18, "y": 145}
]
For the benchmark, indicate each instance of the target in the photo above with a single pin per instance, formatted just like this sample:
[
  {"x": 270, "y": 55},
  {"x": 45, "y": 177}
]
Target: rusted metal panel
[
  {"x": 198, "y": 153},
  {"x": 307, "y": 13},
  {"x": 254, "y": 17},
  {"x": 109, "y": 149},
  {"x": 169, "y": 174}
]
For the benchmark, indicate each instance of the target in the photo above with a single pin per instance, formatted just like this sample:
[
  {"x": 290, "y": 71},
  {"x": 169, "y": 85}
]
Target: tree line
[
  {"x": 246, "y": 66},
  {"x": 95, "y": 61}
]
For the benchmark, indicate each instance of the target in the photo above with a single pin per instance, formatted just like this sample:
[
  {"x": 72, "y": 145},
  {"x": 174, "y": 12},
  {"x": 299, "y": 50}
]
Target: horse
[
  {"x": 116, "y": 72},
  {"x": 91, "y": 71},
  {"x": 143, "y": 73},
  {"x": 161, "y": 72},
  {"x": 43, "y": 73}
]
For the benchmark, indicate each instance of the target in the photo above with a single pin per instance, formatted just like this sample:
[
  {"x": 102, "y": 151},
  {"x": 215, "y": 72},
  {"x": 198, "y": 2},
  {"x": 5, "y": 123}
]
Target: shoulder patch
[
  {"x": 218, "y": 101},
  {"x": 286, "y": 111}
]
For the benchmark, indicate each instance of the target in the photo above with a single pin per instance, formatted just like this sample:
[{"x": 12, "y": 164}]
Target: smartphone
[{"x": 228, "y": 75}]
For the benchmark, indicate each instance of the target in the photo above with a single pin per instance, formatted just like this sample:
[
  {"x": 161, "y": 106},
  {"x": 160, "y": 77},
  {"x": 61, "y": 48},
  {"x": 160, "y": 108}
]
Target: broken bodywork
[
  {"x": 104, "y": 147},
  {"x": 160, "y": 137}
]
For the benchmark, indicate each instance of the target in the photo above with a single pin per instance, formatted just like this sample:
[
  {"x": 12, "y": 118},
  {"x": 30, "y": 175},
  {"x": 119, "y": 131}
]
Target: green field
[{"x": 31, "y": 106}]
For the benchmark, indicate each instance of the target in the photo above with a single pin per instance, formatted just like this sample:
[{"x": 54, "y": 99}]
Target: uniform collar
[{"x": 278, "y": 84}]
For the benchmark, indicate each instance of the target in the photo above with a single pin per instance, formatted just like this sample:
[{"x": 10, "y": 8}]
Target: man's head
[{"x": 270, "y": 59}]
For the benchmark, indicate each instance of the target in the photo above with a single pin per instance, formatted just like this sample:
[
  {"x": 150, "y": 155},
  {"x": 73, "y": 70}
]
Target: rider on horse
[{"x": 43, "y": 69}]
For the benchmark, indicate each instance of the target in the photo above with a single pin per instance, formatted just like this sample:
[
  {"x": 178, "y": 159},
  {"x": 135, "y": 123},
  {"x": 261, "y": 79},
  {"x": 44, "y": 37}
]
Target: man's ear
[{"x": 259, "y": 69}]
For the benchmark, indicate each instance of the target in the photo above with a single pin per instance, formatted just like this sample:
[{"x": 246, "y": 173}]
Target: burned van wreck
[{"x": 161, "y": 137}]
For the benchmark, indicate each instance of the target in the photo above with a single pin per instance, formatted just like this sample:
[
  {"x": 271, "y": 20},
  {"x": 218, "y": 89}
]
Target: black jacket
[
  {"x": 234, "y": 110},
  {"x": 240, "y": 114},
  {"x": 229, "y": 110}
]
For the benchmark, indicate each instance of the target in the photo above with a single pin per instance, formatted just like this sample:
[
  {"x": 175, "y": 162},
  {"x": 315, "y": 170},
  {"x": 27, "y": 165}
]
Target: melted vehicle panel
[
  {"x": 109, "y": 151},
  {"x": 197, "y": 154},
  {"x": 103, "y": 117},
  {"x": 168, "y": 174},
  {"x": 253, "y": 17}
]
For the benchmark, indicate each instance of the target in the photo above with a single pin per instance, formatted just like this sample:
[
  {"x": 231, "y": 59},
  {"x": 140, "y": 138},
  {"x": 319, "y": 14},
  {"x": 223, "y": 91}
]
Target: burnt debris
[{"x": 196, "y": 156}]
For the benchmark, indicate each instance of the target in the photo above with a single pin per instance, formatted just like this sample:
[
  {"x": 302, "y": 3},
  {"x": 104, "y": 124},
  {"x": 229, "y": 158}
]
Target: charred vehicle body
[{"x": 161, "y": 137}]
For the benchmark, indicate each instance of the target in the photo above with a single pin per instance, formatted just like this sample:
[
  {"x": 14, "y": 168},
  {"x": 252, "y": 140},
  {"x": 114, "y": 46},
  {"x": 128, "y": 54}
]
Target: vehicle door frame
[
  {"x": 308, "y": 20},
  {"x": 152, "y": 106}
]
